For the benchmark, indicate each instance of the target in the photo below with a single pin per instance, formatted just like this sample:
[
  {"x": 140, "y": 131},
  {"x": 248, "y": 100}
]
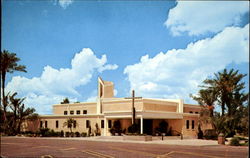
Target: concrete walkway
[{"x": 185, "y": 142}]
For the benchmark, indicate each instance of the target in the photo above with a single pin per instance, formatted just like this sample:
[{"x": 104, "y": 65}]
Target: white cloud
[
  {"x": 91, "y": 99},
  {"x": 64, "y": 3},
  {"x": 55, "y": 84},
  {"x": 201, "y": 17},
  {"x": 177, "y": 73}
]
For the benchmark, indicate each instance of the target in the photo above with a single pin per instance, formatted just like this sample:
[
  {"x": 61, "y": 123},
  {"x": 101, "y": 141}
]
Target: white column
[
  {"x": 141, "y": 125},
  {"x": 105, "y": 126}
]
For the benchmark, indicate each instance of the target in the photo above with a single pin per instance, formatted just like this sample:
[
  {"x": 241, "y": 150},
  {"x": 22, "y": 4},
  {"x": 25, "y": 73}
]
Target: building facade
[{"x": 181, "y": 117}]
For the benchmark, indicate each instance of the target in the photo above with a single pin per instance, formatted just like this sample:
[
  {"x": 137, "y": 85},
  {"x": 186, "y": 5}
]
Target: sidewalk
[
  {"x": 191, "y": 142},
  {"x": 184, "y": 142}
]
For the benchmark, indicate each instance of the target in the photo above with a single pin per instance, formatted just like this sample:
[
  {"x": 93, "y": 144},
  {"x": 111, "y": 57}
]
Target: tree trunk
[
  {"x": 19, "y": 126},
  {"x": 211, "y": 112},
  {"x": 223, "y": 108},
  {"x": 4, "y": 99}
]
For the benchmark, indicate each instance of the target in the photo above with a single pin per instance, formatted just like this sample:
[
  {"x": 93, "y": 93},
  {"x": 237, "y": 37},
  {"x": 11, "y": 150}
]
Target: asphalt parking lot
[{"x": 40, "y": 147}]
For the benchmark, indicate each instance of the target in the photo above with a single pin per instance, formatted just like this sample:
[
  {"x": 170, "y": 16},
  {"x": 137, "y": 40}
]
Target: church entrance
[{"x": 148, "y": 126}]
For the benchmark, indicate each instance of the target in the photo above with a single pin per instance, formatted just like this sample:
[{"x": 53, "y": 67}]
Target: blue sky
[{"x": 162, "y": 49}]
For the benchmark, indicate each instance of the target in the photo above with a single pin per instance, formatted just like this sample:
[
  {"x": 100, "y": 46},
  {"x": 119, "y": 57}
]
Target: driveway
[{"x": 67, "y": 147}]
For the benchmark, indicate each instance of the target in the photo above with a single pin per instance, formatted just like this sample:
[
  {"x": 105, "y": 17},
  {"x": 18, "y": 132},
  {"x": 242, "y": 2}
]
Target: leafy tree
[
  {"x": 9, "y": 64},
  {"x": 70, "y": 122},
  {"x": 65, "y": 101}
]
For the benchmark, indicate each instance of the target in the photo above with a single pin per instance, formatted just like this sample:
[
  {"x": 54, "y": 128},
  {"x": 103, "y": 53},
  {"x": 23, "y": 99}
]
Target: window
[
  {"x": 84, "y": 111},
  {"x": 41, "y": 124},
  {"x": 46, "y": 124},
  {"x": 57, "y": 123},
  {"x": 109, "y": 123},
  {"x": 74, "y": 124},
  {"x": 71, "y": 112},
  {"x": 87, "y": 123},
  {"x": 190, "y": 112},
  {"x": 187, "y": 124},
  {"x": 102, "y": 124},
  {"x": 78, "y": 112},
  {"x": 65, "y": 112},
  {"x": 192, "y": 124},
  {"x": 196, "y": 112}
]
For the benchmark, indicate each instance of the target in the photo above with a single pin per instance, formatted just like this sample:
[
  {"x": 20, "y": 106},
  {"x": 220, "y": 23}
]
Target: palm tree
[
  {"x": 228, "y": 87},
  {"x": 14, "y": 106},
  {"x": 70, "y": 123},
  {"x": 206, "y": 98},
  {"x": 8, "y": 64},
  {"x": 25, "y": 114}
]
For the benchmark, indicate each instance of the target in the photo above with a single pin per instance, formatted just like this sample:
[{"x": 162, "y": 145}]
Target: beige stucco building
[{"x": 149, "y": 113}]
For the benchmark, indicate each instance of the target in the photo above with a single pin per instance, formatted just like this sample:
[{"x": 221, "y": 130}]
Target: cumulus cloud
[
  {"x": 63, "y": 3},
  {"x": 55, "y": 84},
  {"x": 201, "y": 17},
  {"x": 177, "y": 73}
]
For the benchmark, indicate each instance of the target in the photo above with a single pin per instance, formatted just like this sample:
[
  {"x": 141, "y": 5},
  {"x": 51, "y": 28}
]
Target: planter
[
  {"x": 221, "y": 139},
  {"x": 137, "y": 138}
]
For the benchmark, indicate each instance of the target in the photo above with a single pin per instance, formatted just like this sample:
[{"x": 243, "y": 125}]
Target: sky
[{"x": 161, "y": 49}]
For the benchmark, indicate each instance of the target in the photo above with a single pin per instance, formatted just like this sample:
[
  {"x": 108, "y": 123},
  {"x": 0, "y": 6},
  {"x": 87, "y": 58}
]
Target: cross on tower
[{"x": 133, "y": 105}]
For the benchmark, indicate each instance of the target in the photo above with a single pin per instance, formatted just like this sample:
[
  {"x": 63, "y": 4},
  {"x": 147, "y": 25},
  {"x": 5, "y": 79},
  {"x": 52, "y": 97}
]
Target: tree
[
  {"x": 70, "y": 123},
  {"x": 65, "y": 101},
  {"x": 206, "y": 97},
  {"x": 225, "y": 89},
  {"x": 17, "y": 114},
  {"x": 25, "y": 114},
  {"x": 228, "y": 88},
  {"x": 8, "y": 65},
  {"x": 15, "y": 107}
]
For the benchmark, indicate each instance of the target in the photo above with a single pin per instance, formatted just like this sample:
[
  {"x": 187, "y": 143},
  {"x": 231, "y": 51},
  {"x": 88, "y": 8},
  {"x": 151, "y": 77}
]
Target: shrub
[
  {"x": 245, "y": 144},
  {"x": 83, "y": 134},
  {"x": 235, "y": 141},
  {"x": 210, "y": 134},
  {"x": 77, "y": 134},
  {"x": 116, "y": 128},
  {"x": 61, "y": 133},
  {"x": 200, "y": 133},
  {"x": 44, "y": 132},
  {"x": 134, "y": 128},
  {"x": 97, "y": 131},
  {"x": 67, "y": 134},
  {"x": 89, "y": 131}
]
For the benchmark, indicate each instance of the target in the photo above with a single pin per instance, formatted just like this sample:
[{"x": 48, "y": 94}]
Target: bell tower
[{"x": 105, "y": 90}]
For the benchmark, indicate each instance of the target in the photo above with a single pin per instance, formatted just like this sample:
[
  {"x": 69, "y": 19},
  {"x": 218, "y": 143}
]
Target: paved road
[{"x": 39, "y": 147}]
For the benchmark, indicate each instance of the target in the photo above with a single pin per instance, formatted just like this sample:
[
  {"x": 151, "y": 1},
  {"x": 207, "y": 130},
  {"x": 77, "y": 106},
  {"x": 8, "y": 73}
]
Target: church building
[{"x": 147, "y": 113}]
